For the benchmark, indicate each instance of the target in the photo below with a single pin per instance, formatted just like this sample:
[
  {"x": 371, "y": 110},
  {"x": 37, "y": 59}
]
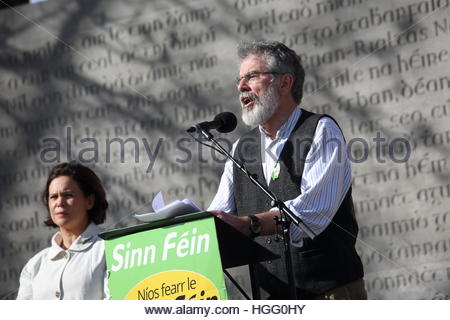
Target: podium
[{"x": 180, "y": 258}]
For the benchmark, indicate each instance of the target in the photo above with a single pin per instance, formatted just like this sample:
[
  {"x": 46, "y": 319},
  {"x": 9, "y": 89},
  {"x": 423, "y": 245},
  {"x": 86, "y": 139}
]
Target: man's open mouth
[{"x": 247, "y": 102}]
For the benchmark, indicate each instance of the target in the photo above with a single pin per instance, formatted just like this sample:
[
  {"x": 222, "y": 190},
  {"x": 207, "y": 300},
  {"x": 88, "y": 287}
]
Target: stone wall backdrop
[{"x": 114, "y": 84}]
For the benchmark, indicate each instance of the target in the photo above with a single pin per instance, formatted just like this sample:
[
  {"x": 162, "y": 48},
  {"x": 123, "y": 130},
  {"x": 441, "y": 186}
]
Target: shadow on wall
[{"x": 149, "y": 80}]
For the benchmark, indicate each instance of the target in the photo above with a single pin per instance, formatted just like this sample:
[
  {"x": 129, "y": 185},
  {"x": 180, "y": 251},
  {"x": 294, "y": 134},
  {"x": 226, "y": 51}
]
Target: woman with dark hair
[{"x": 73, "y": 267}]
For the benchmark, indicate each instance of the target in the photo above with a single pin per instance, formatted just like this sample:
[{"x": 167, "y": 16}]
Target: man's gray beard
[{"x": 263, "y": 107}]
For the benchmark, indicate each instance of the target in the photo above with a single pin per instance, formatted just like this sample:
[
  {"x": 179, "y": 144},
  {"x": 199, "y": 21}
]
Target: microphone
[{"x": 223, "y": 122}]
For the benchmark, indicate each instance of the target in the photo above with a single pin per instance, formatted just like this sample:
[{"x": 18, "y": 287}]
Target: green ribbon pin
[{"x": 276, "y": 171}]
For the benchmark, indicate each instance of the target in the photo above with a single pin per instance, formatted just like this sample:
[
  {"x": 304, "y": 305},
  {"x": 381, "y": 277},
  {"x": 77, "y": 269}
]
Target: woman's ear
[{"x": 90, "y": 201}]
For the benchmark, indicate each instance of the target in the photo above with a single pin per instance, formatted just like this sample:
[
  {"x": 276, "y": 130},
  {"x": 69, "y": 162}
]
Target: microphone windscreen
[{"x": 228, "y": 120}]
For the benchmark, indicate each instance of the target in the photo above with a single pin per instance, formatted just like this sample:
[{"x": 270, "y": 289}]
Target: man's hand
[{"x": 242, "y": 224}]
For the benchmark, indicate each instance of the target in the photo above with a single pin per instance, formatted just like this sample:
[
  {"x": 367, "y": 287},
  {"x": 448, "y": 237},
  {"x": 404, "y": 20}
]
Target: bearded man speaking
[{"x": 302, "y": 158}]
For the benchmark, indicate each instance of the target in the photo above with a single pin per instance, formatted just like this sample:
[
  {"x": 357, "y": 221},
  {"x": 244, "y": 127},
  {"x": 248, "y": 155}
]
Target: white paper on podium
[
  {"x": 158, "y": 202},
  {"x": 173, "y": 209}
]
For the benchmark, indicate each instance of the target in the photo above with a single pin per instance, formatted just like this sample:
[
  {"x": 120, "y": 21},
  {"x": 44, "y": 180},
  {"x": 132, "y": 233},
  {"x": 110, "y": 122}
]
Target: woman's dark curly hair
[{"x": 88, "y": 182}]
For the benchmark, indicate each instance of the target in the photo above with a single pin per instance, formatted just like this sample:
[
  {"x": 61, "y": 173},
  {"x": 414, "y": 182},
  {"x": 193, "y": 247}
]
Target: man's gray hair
[{"x": 279, "y": 58}]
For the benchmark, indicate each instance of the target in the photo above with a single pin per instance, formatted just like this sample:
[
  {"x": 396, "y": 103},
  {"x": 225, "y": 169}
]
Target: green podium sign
[{"x": 176, "y": 259}]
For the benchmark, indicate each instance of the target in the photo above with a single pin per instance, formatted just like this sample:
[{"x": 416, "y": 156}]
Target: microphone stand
[{"x": 286, "y": 215}]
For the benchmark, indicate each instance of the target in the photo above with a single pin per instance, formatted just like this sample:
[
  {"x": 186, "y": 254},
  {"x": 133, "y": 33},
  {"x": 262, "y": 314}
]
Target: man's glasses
[{"x": 253, "y": 75}]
